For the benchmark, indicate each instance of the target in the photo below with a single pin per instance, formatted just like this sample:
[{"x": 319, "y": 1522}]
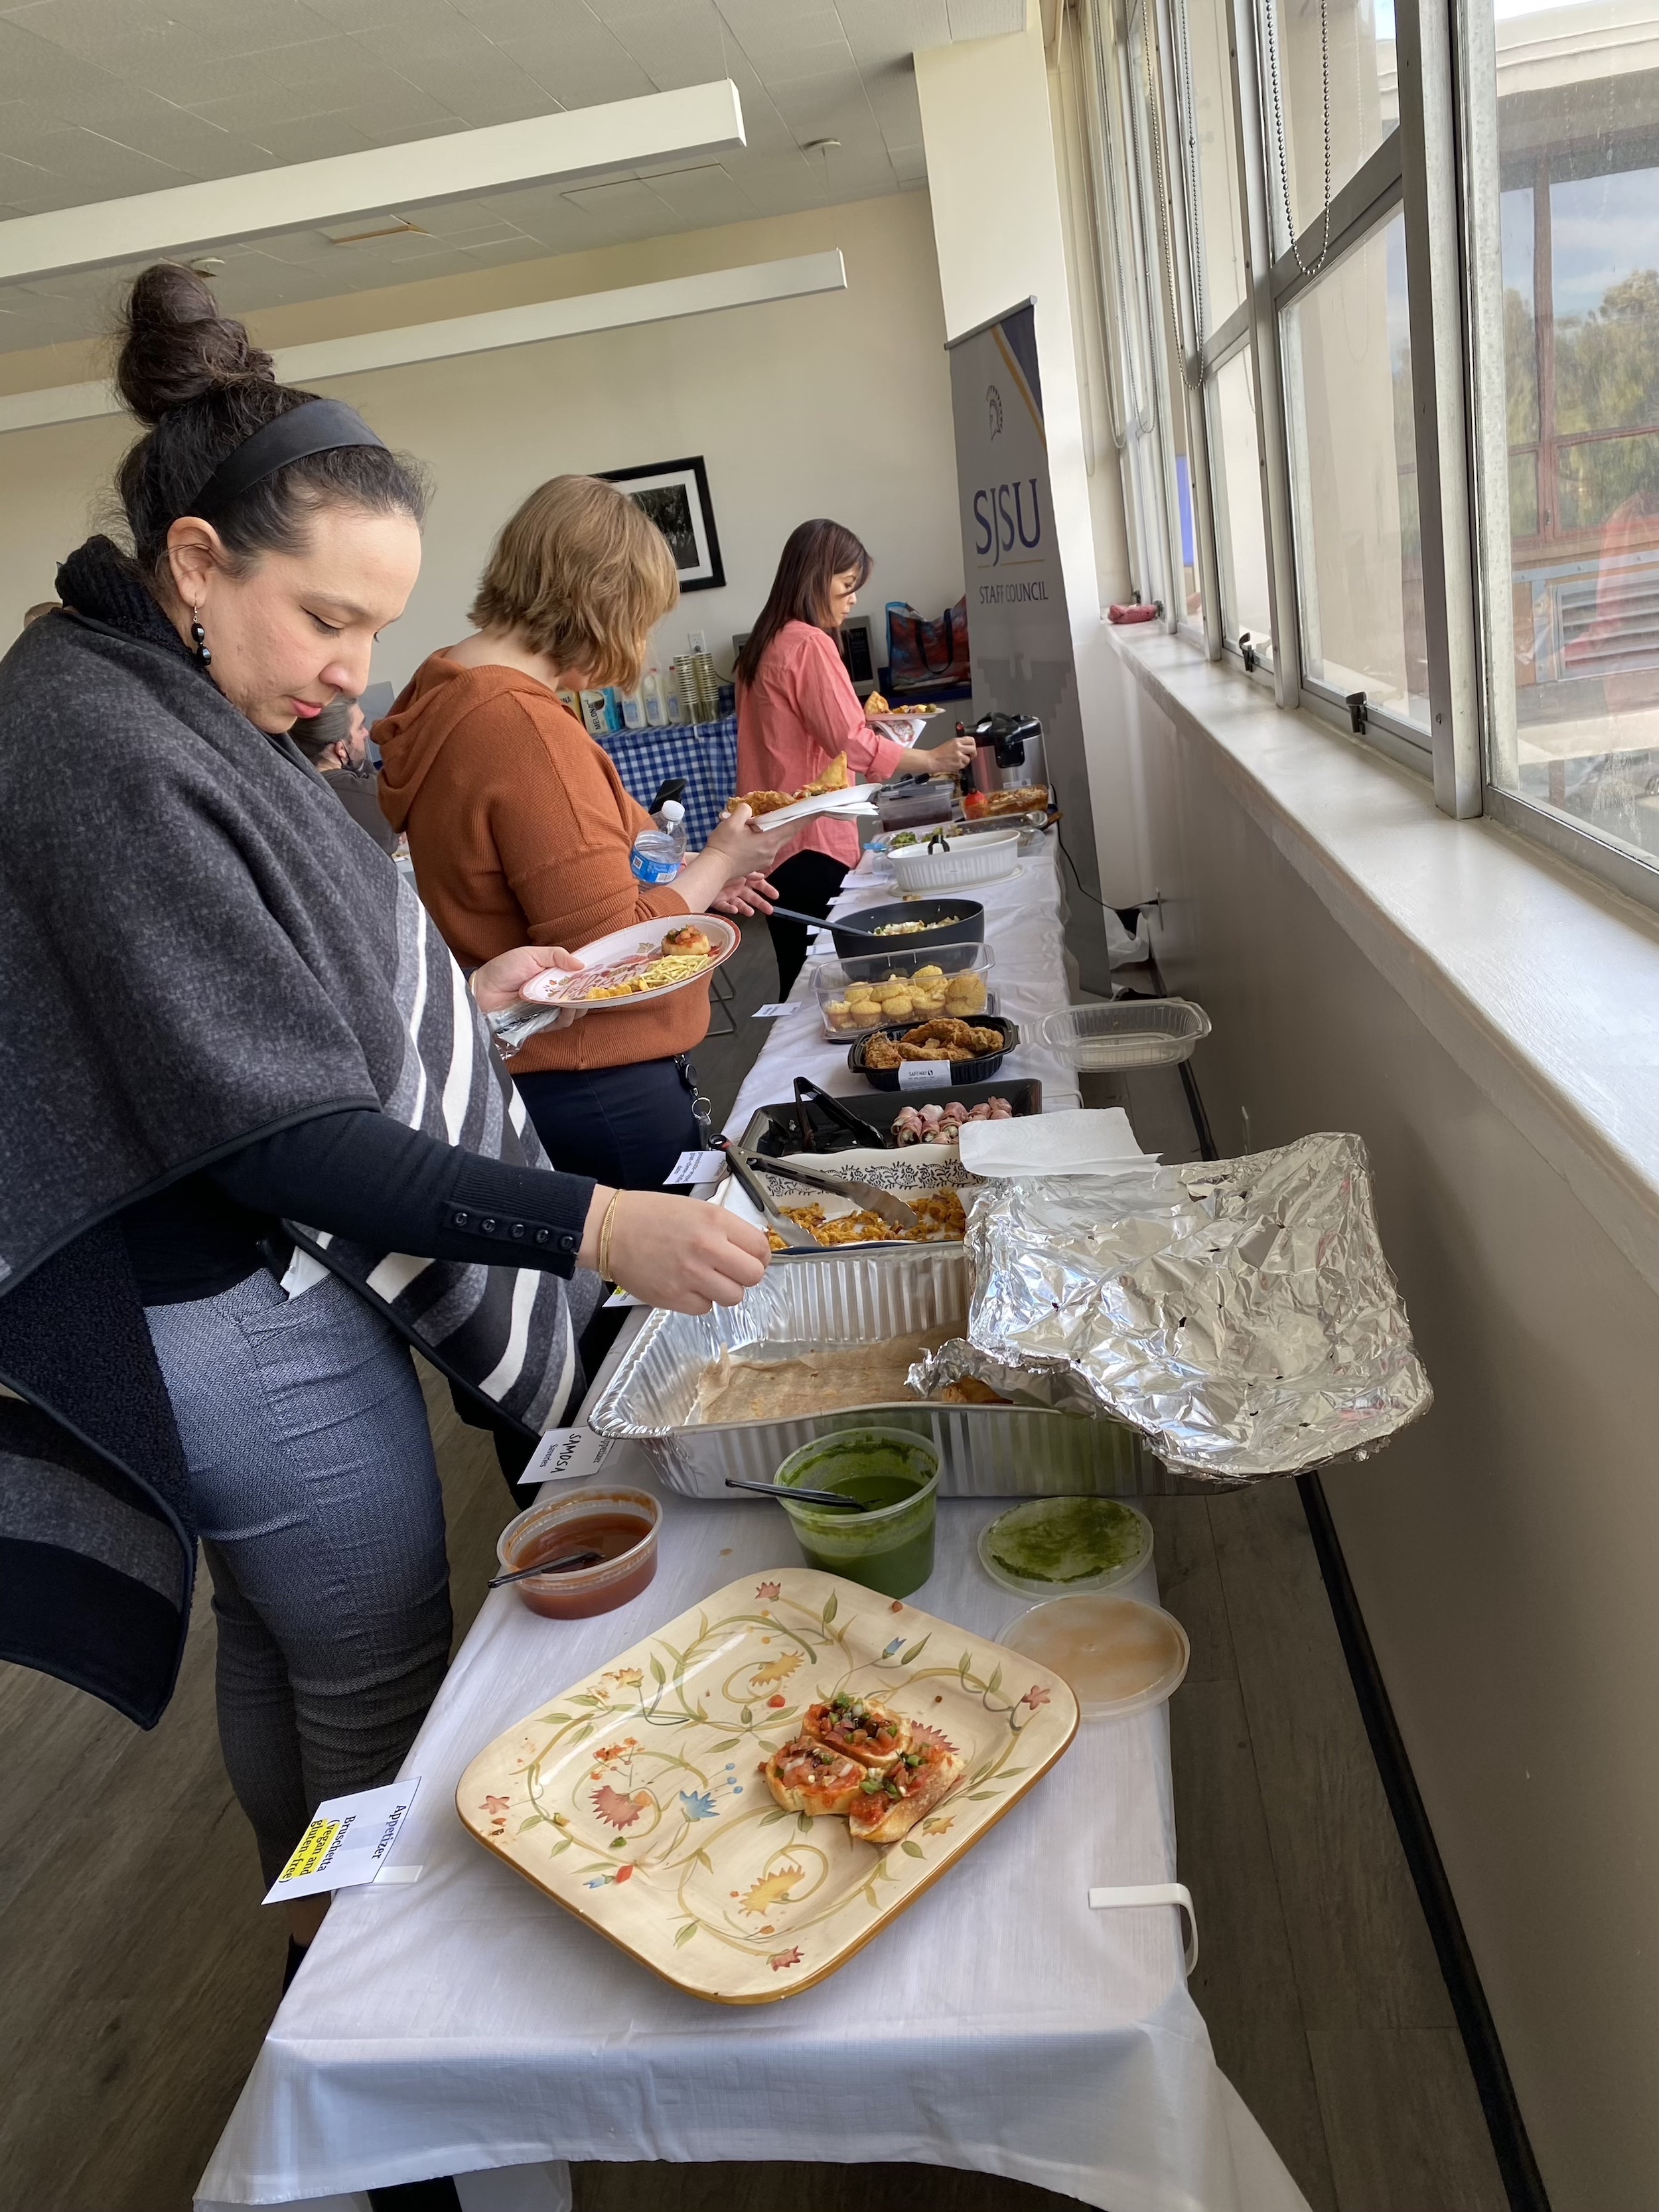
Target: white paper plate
[
  {"x": 624, "y": 952},
  {"x": 853, "y": 797}
]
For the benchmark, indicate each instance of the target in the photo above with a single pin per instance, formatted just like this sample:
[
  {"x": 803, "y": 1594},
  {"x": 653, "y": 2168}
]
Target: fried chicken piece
[
  {"x": 908, "y": 1051},
  {"x": 944, "y": 1028},
  {"x": 882, "y": 1052}
]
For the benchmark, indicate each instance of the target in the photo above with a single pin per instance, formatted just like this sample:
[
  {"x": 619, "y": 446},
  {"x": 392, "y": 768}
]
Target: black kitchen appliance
[{"x": 1007, "y": 751}]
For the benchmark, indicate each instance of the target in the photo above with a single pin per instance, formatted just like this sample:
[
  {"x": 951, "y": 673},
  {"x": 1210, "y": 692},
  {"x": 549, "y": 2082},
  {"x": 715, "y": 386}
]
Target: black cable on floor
[{"x": 1523, "y": 2183}]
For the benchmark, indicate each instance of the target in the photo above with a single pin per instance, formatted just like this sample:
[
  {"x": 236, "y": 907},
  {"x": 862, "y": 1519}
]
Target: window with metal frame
[
  {"x": 1346, "y": 350},
  {"x": 1561, "y": 189},
  {"x": 1151, "y": 111}
]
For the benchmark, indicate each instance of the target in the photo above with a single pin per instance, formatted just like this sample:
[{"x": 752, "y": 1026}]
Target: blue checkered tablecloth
[{"x": 704, "y": 753}]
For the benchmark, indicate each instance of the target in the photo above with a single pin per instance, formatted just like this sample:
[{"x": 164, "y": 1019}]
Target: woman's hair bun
[{"x": 176, "y": 346}]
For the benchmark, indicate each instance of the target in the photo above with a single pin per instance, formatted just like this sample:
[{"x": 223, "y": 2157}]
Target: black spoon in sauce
[{"x": 563, "y": 1567}]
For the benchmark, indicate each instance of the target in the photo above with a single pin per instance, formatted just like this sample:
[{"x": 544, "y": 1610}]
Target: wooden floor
[{"x": 140, "y": 1971}]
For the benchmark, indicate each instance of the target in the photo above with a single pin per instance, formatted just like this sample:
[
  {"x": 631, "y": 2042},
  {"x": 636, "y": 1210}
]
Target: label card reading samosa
[
  {"x": 566, "y": 1455},
  {"x": 348, "y": 1842}
]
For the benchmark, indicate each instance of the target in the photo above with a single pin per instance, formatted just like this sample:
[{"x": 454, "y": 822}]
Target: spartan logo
[{"x": 994, "y": 409}]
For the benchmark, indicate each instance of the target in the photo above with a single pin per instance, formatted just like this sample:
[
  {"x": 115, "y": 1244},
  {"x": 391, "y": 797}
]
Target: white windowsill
[{"x": 1542, "y": 986}]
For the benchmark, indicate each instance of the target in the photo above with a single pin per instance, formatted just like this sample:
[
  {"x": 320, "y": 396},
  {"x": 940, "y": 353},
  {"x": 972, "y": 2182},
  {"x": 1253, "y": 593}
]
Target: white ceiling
[{"x": 103, "y": 98}]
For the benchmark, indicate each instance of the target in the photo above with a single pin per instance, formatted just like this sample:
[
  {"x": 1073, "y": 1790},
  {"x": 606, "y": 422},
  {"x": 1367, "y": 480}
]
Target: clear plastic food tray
[
  {"x": 1124, "y": 1033},
  {"x": 836, "y": 982}
]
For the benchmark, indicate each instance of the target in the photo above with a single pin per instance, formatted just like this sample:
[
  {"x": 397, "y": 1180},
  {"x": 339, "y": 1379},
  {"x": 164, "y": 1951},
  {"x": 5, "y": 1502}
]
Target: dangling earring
[{"x": 204, "y": 653}]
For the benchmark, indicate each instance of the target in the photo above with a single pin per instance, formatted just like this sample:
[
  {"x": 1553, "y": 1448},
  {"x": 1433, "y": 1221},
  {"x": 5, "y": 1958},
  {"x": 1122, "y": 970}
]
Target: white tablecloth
[
  {"x": 1025, "y": 927},
  {"x": 464, "y": 2025}
]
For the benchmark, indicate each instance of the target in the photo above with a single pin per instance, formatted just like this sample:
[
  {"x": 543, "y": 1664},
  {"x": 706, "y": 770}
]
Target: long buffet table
[
  {"x": 1025, "y": 927},
  {"x": 452, "y": 2021}
]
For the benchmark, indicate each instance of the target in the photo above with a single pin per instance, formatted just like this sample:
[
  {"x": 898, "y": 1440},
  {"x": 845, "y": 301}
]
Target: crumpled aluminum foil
[{"x": 1239, "y": 1312}]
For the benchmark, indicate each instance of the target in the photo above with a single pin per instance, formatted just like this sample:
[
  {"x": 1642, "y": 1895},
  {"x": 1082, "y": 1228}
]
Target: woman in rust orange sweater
[{"x": 520, "y": 831}]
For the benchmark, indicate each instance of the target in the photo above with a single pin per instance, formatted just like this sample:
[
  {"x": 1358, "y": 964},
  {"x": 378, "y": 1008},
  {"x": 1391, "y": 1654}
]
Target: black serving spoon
[
  {"x": 564, "y": 1566},
  {"x": 802, "y": 1497}
]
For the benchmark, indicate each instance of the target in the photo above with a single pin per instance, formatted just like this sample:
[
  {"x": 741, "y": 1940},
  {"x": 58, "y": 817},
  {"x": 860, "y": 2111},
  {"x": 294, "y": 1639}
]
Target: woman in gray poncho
[{"x": 257, "y": 1141}]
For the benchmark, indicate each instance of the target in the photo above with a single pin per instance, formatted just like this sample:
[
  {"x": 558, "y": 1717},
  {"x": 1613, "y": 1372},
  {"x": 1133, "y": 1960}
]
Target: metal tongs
[
  {"x": 747, "y": 1167},
  {"x": 808, "y": 1093}
]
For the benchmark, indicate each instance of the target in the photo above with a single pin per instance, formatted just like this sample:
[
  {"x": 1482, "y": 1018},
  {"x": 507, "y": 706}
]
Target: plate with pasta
[{"x": 632, "y": 967}]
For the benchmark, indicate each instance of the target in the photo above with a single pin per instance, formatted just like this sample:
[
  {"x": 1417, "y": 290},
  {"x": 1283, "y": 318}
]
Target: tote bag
[{"x": 926, "y": 655}]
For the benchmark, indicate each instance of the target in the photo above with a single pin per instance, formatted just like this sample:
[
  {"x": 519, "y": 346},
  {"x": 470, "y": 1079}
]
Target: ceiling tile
[
  {"x": 104, "y": 97},
  {"x": 880, "y": 31},
  {"x": 706, "y": 196},
  {"x": 986, "y": 19},
  {"x": 308, "y": 138},
  {"x": 123, "y": 36}
]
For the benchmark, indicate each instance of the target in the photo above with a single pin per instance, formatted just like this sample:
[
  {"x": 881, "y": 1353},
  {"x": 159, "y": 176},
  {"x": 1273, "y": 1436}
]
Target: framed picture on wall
[{"x": 675, "y": 495}]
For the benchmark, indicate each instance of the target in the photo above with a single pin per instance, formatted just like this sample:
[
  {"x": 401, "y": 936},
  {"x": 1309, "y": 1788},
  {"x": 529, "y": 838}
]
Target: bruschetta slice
[
  {"x": 888, "y": 1805},
  {"x": 807, "y": 1776},
  {"x": 860, "y": 1728}
]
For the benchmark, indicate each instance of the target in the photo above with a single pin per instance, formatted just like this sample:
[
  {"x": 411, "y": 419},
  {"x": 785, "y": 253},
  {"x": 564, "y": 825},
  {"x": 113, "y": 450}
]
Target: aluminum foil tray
[
  {"x": 848, "y": 1297},
  {"x": 1239, "y": 1313}
]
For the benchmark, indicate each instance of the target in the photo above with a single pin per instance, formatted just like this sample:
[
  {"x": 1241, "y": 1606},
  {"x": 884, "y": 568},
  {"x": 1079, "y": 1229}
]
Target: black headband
[{"x": 319, "y": 426}]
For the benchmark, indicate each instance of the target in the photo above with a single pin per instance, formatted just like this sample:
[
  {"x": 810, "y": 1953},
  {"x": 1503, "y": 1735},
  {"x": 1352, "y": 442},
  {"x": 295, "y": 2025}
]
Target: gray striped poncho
[{"x": 198, "y": 947}]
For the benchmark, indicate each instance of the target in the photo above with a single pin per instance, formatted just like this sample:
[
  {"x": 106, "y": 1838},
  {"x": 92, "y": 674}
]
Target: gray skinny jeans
[{"x": 321, "y": 1515}]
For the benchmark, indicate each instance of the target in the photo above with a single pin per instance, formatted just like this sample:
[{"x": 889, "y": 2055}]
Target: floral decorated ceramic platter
[{"x": 635, "y": 1799}]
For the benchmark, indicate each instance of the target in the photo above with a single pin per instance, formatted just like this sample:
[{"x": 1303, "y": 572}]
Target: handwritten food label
[
  {"x": 348, "y": 1841},
  {"x": 565, "y": 1456},
  {"x": 694, "y": 1167},
  {"x": 769, "y": 1013},
  {"x": 924, "y": 1074}
]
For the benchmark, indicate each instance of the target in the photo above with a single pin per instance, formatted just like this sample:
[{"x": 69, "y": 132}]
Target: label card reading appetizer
[
  {"x": 924, "y": 1074},
  {"x": 348, "y": 1842},
  {"x": 566, "y": 1456},
  {"x": 694, "y": 1167}
]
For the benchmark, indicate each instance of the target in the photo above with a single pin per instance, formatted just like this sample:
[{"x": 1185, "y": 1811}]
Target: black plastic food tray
[
  {"x": 964, "y": 1071},
  {"x": 774, "y": 1130}
]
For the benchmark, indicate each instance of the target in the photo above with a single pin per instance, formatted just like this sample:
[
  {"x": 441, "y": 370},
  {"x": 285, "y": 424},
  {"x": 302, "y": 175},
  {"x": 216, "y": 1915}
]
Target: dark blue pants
[{"x": 622, "y": 1126}]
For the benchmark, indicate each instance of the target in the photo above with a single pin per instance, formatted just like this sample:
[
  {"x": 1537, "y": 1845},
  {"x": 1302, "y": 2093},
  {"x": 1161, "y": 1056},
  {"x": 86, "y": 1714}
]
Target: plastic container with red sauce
[{"x": 621, "y": 1524}]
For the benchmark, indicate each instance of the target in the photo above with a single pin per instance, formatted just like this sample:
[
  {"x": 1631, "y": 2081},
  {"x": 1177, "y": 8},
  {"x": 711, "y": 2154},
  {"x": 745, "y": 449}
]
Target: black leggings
[{"x": 808, "y": 881}]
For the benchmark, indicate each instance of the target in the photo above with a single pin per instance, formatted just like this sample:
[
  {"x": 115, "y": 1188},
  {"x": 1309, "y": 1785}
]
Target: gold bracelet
[{"x": 604, "y": 1236}]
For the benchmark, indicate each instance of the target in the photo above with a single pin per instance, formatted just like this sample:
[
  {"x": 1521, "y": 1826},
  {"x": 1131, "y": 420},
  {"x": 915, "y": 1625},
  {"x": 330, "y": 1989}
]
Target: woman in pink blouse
[{"x": 796, "y": 709}]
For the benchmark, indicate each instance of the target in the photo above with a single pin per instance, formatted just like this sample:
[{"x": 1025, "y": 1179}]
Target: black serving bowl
[
  {"x": 950, "y": 921},
  {"x": 979, "y": 1070}
]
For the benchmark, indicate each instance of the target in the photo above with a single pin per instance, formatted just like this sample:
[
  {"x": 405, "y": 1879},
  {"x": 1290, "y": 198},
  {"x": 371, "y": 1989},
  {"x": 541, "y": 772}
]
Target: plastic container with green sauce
[
  {"x": 1053, "y": 1545},
  {"x": 889, "y": 1548}
]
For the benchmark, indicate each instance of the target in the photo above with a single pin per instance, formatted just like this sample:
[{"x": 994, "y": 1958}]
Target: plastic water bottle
[
  {"x": 651, "y": 693},
  {"x": 658, "y": 853}
]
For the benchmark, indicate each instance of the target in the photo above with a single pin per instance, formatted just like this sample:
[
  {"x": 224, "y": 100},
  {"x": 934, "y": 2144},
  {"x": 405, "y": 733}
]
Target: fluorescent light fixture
[
  {"x": 705, "y": 293},
  {"x": 580, "y": 142}
]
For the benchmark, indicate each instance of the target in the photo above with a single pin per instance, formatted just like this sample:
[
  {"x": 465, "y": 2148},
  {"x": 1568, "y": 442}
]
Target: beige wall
[
  {"x": 837, "y": 404},
  {"x": 1503, "y": 1548},
  {"x": 1001, "y": 240}
]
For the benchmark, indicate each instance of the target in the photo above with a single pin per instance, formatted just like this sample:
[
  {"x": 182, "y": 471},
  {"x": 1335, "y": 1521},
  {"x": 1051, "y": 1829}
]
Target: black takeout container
[{"x": 962, "y": 1071}]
